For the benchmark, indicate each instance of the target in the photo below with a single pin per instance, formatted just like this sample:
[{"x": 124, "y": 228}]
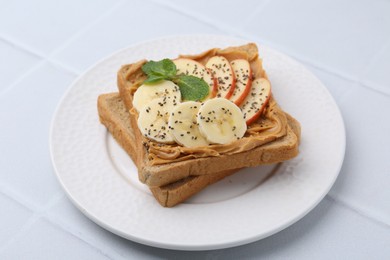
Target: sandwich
[{"x": 191, "y": 121}]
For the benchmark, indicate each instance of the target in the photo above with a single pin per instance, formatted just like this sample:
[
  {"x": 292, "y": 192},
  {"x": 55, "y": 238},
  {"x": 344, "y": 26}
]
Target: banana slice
[
  {"x": 164, "y": 89},
  {"x": 221, "y": 121},
  {"x": 183, "y": 125},
  {"x": 153, "y": 120}
]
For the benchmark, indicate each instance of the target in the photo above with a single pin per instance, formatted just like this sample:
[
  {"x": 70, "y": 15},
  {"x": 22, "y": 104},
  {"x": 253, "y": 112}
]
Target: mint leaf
[
  {"x": 153, "y": 79},
  {"x": 147, "y": 68},
  {"x": 164, "y": 68},
  {"x": 169, "y": 67},
  {"x": 192, "y": 88}
]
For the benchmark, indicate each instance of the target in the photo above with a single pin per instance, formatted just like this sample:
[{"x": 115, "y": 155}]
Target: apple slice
[
  {"x": 256, "y": 100},
  {"x": 223, "y": 73},
  {"x": 194, "y": 68},
  {"x": 243, "y": 73}
]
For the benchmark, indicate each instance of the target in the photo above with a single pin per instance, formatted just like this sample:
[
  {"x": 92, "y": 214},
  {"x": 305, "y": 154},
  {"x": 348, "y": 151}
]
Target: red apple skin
[
  {"x": 233, "y": 80},
  {"x": 257, "y": 115},
  {"x": 214, "y": 90},
  {"x": 261, "y": 88},
  {"x": 233, "y": 86},
  {"x": 238, "y": 101}
]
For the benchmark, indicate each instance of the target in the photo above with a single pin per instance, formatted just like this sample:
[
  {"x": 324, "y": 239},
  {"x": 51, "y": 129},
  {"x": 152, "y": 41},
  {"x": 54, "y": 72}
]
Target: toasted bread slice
[
  {"x": 172, "y": 194},
  {"x": 278, "y": 149},
  {"x": 157, "y": 171},
  {"x": 114, "y": 115}
]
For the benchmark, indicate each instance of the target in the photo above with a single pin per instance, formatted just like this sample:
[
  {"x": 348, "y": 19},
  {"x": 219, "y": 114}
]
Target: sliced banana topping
[
  {"x": 183, "y": 125},
  {"x": 164, "y": 89},
  {"x": 153, "y": 120},
  {"x": 165, "y": 119},
  {"x": 221, "y": 121}
]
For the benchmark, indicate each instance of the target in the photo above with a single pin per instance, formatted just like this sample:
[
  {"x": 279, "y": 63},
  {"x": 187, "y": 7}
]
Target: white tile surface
[
  {"x": 367, "y": 147},
  {"x": 377, "y": 74},
  {"x": 12, "y": 222},
  {"x": 128, "y": 24},
  {"x": 217, "y": 12},
  {"x": 316, "y": 231},
  {"x": 25, "y": 115},
  {"x": 337, "y": 86},
  {"x": 346, "y": 44},
  {"x": 45, "y": 241},
  {"x": 341, "y": 35},
  {"x": 13, "y": 63},
  {"x": 44, "y": 24},
  {"x": 328, "y": 232},
  {"x": 365, "y": 172},
  {"x": 68, "y": 216}
]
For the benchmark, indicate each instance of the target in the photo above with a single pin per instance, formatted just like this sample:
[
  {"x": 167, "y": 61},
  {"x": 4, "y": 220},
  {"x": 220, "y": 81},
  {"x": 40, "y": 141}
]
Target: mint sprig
[
  {"x": 191, "y": 87},
  {"x": 163, "y": 67}
]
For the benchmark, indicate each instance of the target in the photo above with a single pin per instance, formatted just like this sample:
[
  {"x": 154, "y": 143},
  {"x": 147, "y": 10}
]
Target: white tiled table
[{"x": 45, "y": 45}]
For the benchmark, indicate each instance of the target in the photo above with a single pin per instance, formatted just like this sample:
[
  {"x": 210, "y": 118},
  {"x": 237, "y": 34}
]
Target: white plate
[{"x": 101, "y": 180}]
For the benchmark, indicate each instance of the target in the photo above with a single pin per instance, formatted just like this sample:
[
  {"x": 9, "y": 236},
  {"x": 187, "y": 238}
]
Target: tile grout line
[
  {"x": 37, "y": 55},
  {"x": 181, "y": 11},
  {"x": 41, "y": 59},
  {"x": 258, "y": 9},
  {"x": 85, "y": 28},
  {"x": 377, "y": 54},
  {"x": 356, "y": 82},
  {"x": 37, "y": 214},
  {"x": 371, "y": 64},
  {"x": 339, "y": 75},
  {"x": 15, "y": 43},
  {"x": 49, "y": 58},
  {"x": 33, "y": 68},
  {"x": 66, "y": 68},
  {"x": 298, "y": 57},
  {"x": 18, "y": 198},
  {"x": 25, "y": 227},
  {"x": 358, "y": 211},
  {"x": 65, "y": 228}
]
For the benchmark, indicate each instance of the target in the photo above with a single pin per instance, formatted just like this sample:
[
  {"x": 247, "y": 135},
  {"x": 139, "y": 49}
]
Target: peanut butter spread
[{"x": 269, "y": 127}]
